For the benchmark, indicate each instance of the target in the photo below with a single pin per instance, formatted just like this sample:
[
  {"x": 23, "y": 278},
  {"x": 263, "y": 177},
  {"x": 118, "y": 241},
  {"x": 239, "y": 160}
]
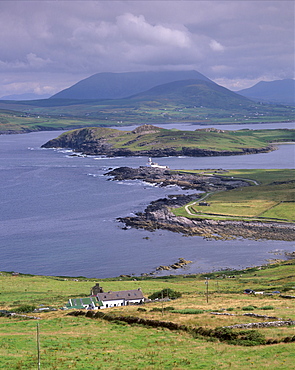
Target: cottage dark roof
[{"x": 123, "y": 294}]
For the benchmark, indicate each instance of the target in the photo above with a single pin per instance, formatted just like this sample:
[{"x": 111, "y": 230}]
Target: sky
[{"x": 46, "y": 46}]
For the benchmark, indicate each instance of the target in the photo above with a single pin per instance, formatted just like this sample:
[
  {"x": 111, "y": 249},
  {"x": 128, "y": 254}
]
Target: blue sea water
[{"x": 58, "y": 214}]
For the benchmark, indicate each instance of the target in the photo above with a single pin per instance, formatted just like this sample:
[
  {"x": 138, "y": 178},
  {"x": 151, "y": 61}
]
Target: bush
[
  {"x": 188, "y": 311},
  {"x": 250, "y": 338},
  {"x": 248, "y": 308},
  {"x": 165, "y": 293},
  {"x": 25, "y": 308},
  {"x": 243, "y": 337},
  {"x": 267, "y": 308},
  {"x": 141, "y": 309},
  {"x": 159, "y": 309}
]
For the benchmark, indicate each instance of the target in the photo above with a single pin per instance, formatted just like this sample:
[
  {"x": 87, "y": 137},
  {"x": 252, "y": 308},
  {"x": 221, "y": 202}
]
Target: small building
[
  {"x": 90, "y": 303},
  {"x": 120, "y": 298},
  {"x": 155, "y": 165},
  {"x": 96, "y": 289},
  {"x": 204, "y": 204}
]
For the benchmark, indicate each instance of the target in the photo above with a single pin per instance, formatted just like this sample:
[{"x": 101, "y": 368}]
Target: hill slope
[
  {"x": 279, "y": 91},
  {"x": 194, "y": 92},
  {"x": 122, "y": 85},
  {"x": 152, "y": 141}
]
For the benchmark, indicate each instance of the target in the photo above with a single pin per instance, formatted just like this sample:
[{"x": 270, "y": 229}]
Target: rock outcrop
[
  {"x": 162, "y": 218},
  {"x": 165, "y": 177}
]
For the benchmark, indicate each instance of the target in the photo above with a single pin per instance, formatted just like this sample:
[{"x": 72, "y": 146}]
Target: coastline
[
  {"x": 210, "y": 229},
  {"x": 158, "y": 214}
]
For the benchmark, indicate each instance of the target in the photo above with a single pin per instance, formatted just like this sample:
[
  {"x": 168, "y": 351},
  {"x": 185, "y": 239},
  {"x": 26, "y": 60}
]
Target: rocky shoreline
[
  {"x": 210, "y": 229},
  {"x": 159, "y": 216},
  {"x": 166, "y": 177}
]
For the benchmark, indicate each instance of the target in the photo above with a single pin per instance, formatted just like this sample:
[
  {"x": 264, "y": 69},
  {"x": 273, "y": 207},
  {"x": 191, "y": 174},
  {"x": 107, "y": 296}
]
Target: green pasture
[
  {"x": 68, "y": 342},
  {"x": 273, "y": 198},
  {"x": 217, "y": 141},
  {"x": 68, "y": 114},
  {"x": 237, "y": 142}
]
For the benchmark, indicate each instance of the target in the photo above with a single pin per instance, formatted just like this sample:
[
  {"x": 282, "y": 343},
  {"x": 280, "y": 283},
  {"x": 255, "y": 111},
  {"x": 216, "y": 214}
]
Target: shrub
[
  {"x": 230, "y": 309},
  {"x": 188, "y": 311},
  {"x": 25, "y": 308},
  {"x": 250, "y": 338},
  {"x": 248, "y": 308},
  {"x": 159, "y": 309},
  {"x": 165, "y": 293},
  {"x": 243, "y": 337},
  {"x": 141, "y": 309},
  {"x": 267, "y": 308}
]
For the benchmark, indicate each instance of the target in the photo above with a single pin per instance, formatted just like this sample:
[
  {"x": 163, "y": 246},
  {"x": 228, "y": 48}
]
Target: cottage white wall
[
  {"x": 119, "y": 302},
  {"x": 113, "y": 303}
]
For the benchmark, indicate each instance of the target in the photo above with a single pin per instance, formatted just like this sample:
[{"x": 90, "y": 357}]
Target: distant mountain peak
[
  {"x": 109, "y": 85},
  {"x": 277, "y": 91}
]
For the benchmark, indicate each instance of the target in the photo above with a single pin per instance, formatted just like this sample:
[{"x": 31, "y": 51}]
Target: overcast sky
[{"x": 46, "y": 46}]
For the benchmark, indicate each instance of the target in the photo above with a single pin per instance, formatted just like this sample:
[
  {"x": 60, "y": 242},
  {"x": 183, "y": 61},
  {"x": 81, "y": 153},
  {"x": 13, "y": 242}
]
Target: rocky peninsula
[
  {"x": 158, "y": 214},
  {"x": 185, "y": 180}
]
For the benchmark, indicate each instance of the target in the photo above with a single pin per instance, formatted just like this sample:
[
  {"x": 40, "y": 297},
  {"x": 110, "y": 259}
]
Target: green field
[
  {"x": 66, "y": 114},
  {"x": 149, "y": 139},
  {"x": 271, "y": 199},
  {"x": 84, "y": 343}
]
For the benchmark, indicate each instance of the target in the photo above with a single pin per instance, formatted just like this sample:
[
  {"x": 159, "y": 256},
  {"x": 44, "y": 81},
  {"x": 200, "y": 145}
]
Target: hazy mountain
[
  {"x": 194, "y": 93},
  {"x": 27, "y": 96},
  {"x": 278, "y": 91},
  {"x": 122, "y": 85}
]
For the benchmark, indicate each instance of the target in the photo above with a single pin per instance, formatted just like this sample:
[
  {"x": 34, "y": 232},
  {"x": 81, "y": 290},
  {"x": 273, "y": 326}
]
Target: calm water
[{"x": 58, "y": 214}]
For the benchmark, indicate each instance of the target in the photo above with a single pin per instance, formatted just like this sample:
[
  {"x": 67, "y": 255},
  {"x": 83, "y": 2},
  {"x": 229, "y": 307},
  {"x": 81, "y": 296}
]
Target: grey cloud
[{"x": 225, "y": 40}]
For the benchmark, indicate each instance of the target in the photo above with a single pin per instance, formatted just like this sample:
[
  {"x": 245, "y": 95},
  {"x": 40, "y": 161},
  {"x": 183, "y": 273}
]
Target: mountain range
[
  {"x": 278, "y": 91},
  {"x": 188, "y": 87},
  {"x": 123, "y": 85},
  {"x": 120, "y": 99}
]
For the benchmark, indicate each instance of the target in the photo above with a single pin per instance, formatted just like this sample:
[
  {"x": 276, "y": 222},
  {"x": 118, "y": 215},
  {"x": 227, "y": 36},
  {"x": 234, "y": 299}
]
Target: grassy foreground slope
[
  {"x": 270, "y": 198},
  {"x": 84, "y": 343}
]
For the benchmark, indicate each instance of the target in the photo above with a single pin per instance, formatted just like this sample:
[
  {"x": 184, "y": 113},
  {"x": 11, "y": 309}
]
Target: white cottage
[{"x": 121, "y": 298}]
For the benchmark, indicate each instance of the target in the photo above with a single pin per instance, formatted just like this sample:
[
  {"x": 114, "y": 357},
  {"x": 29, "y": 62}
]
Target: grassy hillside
[
  {"x": 270, "y": 198},
  {"x": 85, "y": 343},
  {"x": 196, "y": 93},
  {"x": 151, "y": 140}
]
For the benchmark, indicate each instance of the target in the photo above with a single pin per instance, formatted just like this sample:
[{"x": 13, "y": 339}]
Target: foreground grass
[
  {"x": 272, "y": 198},
  {"x": 83, "y": 343},
  {"x": 94, "y": 344}
]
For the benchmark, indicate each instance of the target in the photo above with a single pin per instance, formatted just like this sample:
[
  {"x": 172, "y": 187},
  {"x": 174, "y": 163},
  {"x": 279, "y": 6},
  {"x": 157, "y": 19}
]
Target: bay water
[{"x": 58, "y": 213}]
